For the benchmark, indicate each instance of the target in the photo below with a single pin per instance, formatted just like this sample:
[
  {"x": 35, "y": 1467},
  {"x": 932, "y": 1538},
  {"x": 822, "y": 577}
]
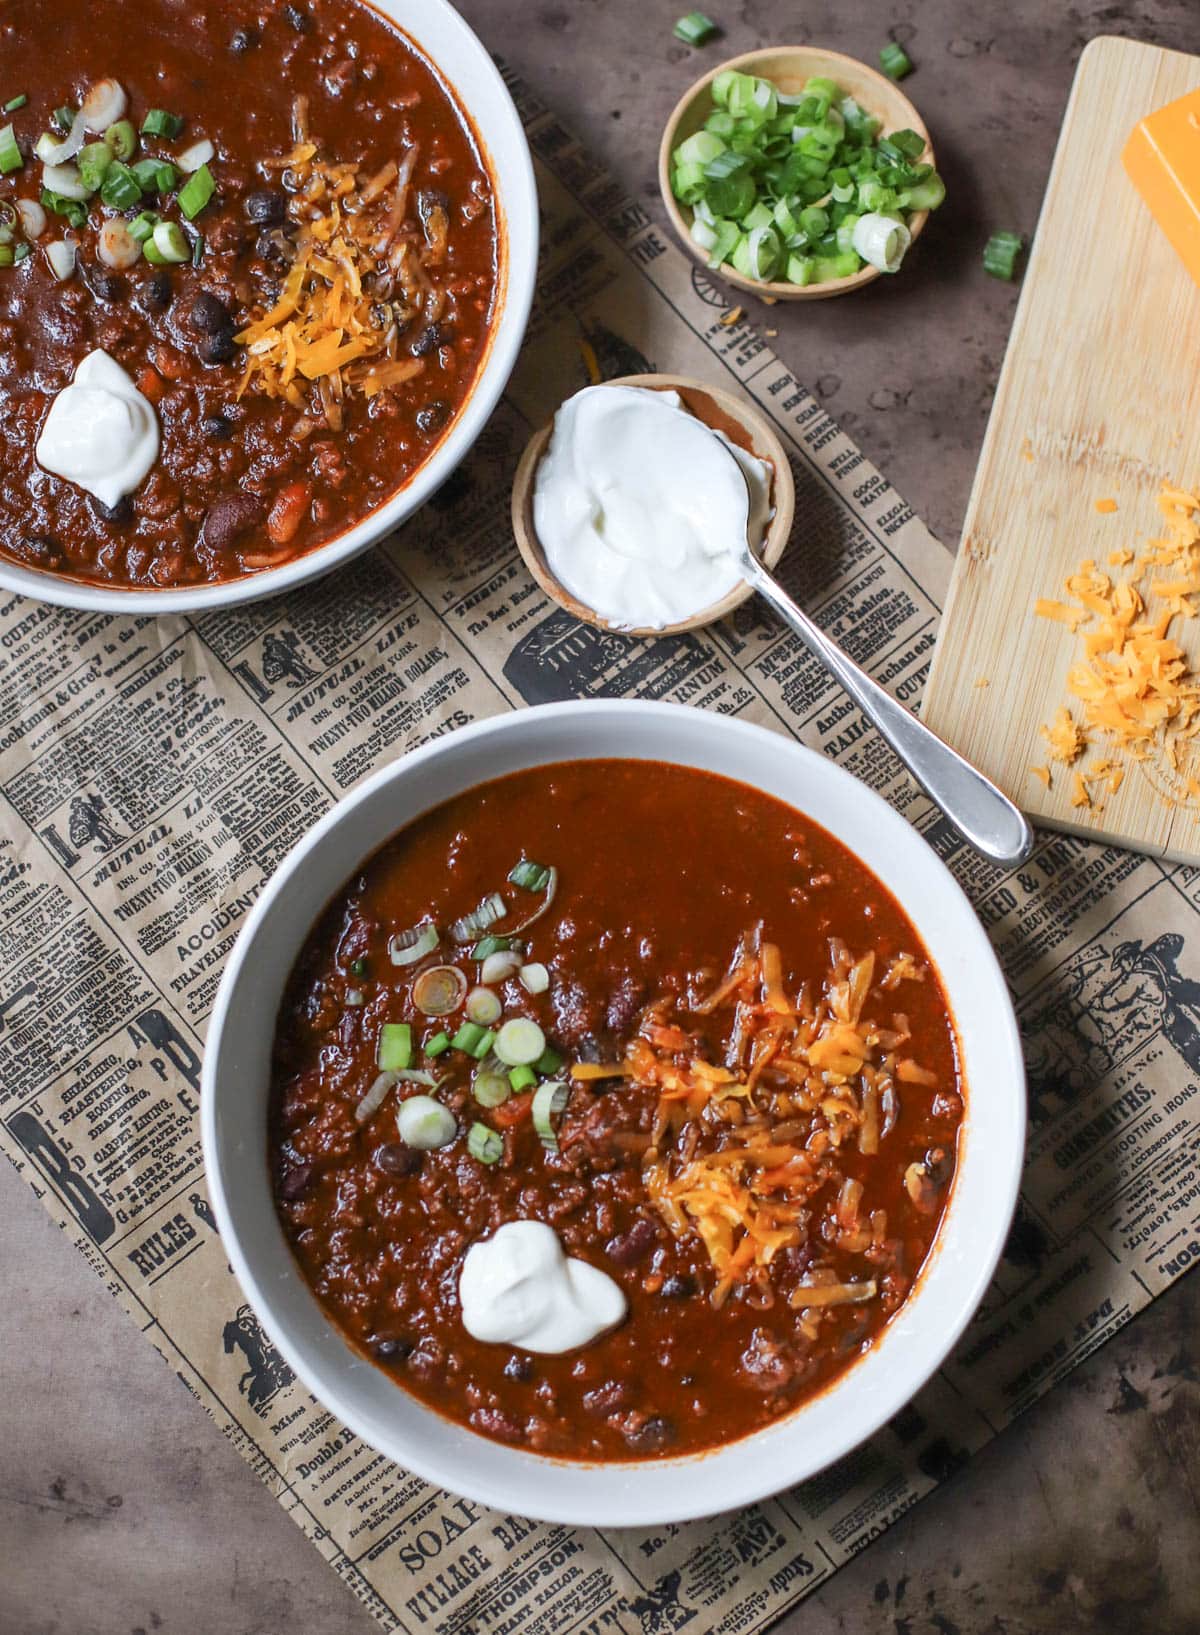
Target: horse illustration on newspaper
[
  {"x": 1106, "y": 1004},
  {"x": 266, "y": 1373}
]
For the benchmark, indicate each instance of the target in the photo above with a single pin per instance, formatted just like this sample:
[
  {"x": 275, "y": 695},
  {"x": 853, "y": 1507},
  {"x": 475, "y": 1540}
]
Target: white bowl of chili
[
  {"x": 308, "y": 465},
  {"x": 915, "y": 1341}
]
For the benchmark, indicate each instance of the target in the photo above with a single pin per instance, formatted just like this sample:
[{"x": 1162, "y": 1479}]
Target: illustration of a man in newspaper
[{"x": 1150, "y": 989}]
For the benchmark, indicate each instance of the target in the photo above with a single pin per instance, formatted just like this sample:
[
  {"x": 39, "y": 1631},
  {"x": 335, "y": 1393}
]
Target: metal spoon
[{"x": 981, "y": 813}]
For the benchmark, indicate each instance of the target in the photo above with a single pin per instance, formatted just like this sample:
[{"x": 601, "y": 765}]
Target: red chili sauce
[
  {"x": 760, "y": 1135},
  {"x": 350, "y": 202}
]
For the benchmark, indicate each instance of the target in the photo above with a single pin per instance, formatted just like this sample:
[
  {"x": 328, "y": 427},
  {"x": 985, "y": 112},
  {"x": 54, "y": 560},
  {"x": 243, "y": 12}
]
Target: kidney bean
[
  {"x": 395, "y": 1159},
  {"x": 679, "y": 1286},
  {"x": 633, "y": 1245},
  {"x": 607, "y": 1398},
  {"x": 229, "y": 518},
  {"x": 287, "y": 513},
  {"x": 295, "y": 1181},
  {"x": 648, "y": 1433}
]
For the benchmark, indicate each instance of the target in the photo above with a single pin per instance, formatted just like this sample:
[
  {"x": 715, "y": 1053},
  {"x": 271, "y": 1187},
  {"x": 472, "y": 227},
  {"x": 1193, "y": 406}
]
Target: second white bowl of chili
[{"x": 638, "y": 1459}]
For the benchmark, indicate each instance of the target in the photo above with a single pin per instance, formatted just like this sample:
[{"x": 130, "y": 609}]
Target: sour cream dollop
[
  {"x": 519, "y": 1288},
  {"x": 101, "y": 433},
  {"x": 637, "y": 504}
]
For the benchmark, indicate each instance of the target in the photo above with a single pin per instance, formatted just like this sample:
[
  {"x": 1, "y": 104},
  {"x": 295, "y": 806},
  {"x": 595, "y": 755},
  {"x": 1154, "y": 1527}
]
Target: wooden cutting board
[{"x": 1099, "y": 398}]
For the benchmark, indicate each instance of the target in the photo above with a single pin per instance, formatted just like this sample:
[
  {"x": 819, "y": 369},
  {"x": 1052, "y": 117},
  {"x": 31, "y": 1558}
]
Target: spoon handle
[{"x": 978, "y": 810}]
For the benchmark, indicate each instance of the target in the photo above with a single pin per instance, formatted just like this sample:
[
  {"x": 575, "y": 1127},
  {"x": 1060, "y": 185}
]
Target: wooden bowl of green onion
[{"x": 797, "y": 174}]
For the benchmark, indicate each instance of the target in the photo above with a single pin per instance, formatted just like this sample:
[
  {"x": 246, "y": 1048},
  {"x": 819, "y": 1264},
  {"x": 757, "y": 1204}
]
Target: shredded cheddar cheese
[
  {"x": 1136, "y": 684},
  {"x": 1106, "y": 507}
]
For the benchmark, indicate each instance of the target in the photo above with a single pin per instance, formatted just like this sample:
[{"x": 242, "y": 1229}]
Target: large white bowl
[
  {"x": 458, "y": 54},
  {"x": 234, "y": 1118}
]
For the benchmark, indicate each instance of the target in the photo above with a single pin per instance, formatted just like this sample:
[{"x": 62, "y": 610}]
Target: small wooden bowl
[
  {"x": 741, "y": 423},
  {"x": 788, "y": 67}
]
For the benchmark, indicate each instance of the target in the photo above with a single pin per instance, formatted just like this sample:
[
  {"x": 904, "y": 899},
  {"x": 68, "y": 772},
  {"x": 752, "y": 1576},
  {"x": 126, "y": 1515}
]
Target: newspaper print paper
[{"x": 153, "y": 773}]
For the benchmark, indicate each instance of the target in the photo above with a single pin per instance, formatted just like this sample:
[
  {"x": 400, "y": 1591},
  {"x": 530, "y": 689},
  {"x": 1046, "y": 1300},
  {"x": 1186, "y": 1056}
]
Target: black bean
[
  {"x": 433, "y": 416},
  {"x": 392, "y": 1350},
  {"x": 266, "y": 208},
  {"x": 208, "y": 315},
  {"x": 244, "y": 40},
  {"x": 156, "y": 293},
  {"x": 679, "y": 1286},
  {"x": 430, "y": 338},
  {"x": 105, "y": 285},
  {"x": 518, "y": 1367},
  {"x": 648, "y": 1435},
  {"x": 295, "y": 1181},
  {"x": 120, "y": 513},
  {"x": 297, "y": 19},
  {"x": 633, "y": 1245},
  {"x": 217, "y": 425},
  {"x": 395, "y": 1159},
  {"x": 218, "y": 348},
  {"x": 42, "y": 549},
  {"x": 607, "y": 1398},
  {"x": 274, "y": 245}
]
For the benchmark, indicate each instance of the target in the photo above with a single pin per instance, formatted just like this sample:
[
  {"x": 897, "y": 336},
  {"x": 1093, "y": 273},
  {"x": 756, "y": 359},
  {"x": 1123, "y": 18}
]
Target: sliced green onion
[
  {"x": 695, "y": 28},
  {"x": 487, "y": 946},
  {"x": 120, "y": 188},
  {"x": 196, "y": 192},
  {"x": 485, "y": 1144},
  {"x": 483, "y": 1006},
  {"x": 64, "y": 118},
  {"x": 436, "y": 1045},
  {"x": 122, "y": 139},
  {"x": 520, "y": 1042},
  {"x": 354, "y": 996},
  {"x": 158, "y": 122},
  {"x": 8, "y": 255},
  {"x": 801, "y": 270},
  {"x": 395, "y": 1046},
  {"x": 20, "y": 252},
  {"x": 894, "y": 61},
  {"x": 33, "y": 217},
  {"x": 722, "y": 86},
  {"x": 197, "y": 249},
  {"x": 155, "y": 175},
  {"x": 374, "y": 1098},
  {"x": 498, "y": 967},
  {"x": 699, "y": 149},
  {"x": 16, "y": 102},
  {"x": 170, "y": 246},
  {"x": 198, "y": 154},
  {"x": 10, "y": 153},
  {"x": 521, "y": 1078},
  {"x": 549, "y": 1102},
  {"x": 534, "y": 978},
  {"x": 142, "y": 227},
  {"x": 529, "y": 876},
  {"x": 74, "y": 212},
  {"x": 550, "y": 887},
  {"x": 490, "y": 1089},
  {"x": 94, "y": 161},
  {"x": 492, "y": 908},
  {"x": 757, "y": 254},
  {"x": 424, "y": 1123},
  {"x": 439, "y": 990},
  {"x": 548, "y": 1063},
  {"x": 688, "y": 183},
  {"x": 61, "y": 256},
  {"x": 358, "y": 967},
  {"x": 407, "y": 947},
  {"x": 474, "y": 1040},
  {"x": 927, "y": 194},
  {"x": 1000, "y": 254}
]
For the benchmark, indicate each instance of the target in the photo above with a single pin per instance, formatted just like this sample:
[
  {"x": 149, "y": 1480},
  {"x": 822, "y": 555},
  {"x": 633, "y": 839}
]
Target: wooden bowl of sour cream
[{"x": 742, "y": 423}]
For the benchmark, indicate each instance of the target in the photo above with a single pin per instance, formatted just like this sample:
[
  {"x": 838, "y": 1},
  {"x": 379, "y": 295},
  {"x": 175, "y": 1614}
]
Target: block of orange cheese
[{"x": 1162, "y": 158}]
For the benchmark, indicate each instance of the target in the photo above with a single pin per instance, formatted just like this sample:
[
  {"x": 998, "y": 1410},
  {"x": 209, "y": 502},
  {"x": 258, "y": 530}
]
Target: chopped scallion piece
[
  {"x": 485, "y": 1144},
  {"x": 358, "y": 967},
  {"x": 548, "y": 1063},
  {"x": 21, "y": 252},
  {"x": 168, "y": 244},
  {"x": 490, "y": 1089},
  {"x": 74, "y": 212},
  {"x": 491, "y": 945},
  {"x": 439, "y": 1042},
  {"x": 15, "y": 103},
  {"x": 10, "y": 153},
  {"x": 8, "y": 255},
  {"x": 529, "y": 876},
  {"x": 549, "y": 1101},
  {"x": 474, "y": 1040},
  {"x": 894, "y": 61},
  {"x": 196, "y": 192},
  {"x": 521, "y": 1078},
  {"x": 120, "y": 187},
  {"x": 407, "y": 947},
  {"x": 158, "y": 122},
  {"x": 520, "y": 1042},
  {"x": 155, "y": 175},
  {"x": 492, "y": 908},
  {"x": 197, "y": 249},
  {"x": 483, "y": 1006},
  {"x": 695, "y": 28},
  {"x": 64, "y": 118},
  {"x": 1000, "y": 254},
  {"x": 424, "y": 1123},
  {"x": 94, "y": 163},
  {"x": 534, "y": 978},
  {"x": 395, "y": 1047},
  {"x": 122, "y": 139}
]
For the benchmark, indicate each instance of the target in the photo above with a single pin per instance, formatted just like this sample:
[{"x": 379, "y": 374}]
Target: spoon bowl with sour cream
[{"x": 622, "y": 505}]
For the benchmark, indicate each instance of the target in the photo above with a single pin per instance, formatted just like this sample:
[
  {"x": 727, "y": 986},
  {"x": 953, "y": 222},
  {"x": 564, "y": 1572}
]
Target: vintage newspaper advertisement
[{"x": 154, "y": 772}]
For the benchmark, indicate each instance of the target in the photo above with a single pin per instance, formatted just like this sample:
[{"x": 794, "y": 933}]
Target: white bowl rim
[
  {"x": 692, "y": 1486},
  {"x": 518, "y": 201}
]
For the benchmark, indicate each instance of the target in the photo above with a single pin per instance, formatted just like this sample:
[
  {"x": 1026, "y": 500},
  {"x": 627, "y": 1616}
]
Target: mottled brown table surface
[{"x": 122, "y": 1511}]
